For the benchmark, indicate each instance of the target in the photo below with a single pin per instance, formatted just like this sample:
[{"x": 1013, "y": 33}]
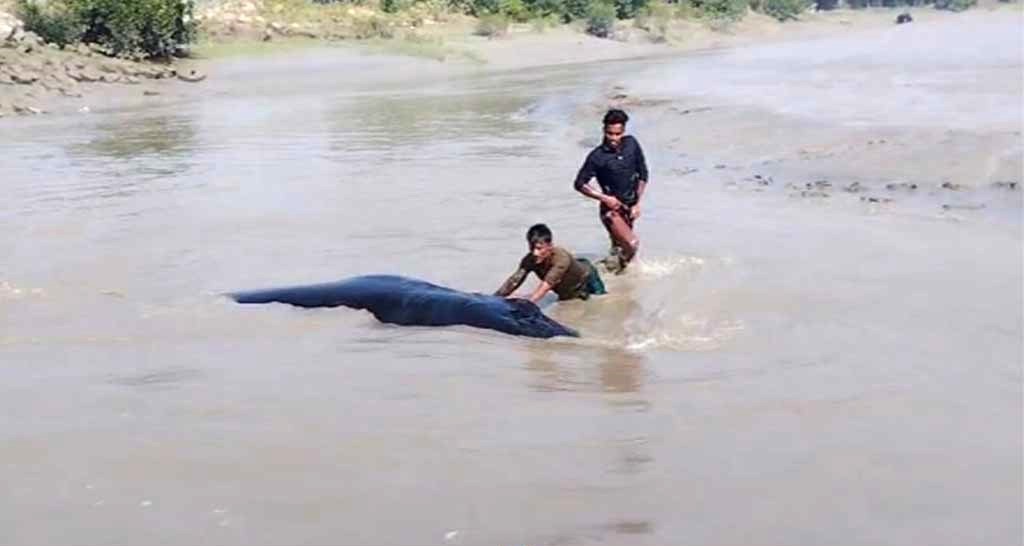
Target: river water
[{"x": 770, "y": 372}]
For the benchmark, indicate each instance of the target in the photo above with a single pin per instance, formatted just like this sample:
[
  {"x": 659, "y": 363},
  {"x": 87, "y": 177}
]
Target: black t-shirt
[{"x": 617, "y": 171}]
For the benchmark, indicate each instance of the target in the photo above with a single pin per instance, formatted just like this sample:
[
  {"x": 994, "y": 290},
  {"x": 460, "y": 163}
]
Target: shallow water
[{"x": 772, "y": 371}]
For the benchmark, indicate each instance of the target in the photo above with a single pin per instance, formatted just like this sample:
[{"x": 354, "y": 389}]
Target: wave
[{"x": 687, "y": 333}]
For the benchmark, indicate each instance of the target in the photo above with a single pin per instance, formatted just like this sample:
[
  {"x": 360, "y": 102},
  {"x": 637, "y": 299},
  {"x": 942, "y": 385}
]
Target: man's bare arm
[
  {"x": 542, "y": 289},
  {"x": 512, "y": 283}
]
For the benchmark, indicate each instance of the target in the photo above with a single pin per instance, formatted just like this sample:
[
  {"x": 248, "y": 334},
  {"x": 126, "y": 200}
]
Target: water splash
[
  {"x": 688, "y": 332},
  {"x": 663, "y": 267}
]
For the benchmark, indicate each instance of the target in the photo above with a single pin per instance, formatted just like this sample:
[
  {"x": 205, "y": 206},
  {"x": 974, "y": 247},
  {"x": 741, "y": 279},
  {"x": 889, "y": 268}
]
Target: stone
[
  {"x": 32, "y": 39},
  {"x": 10, "y": 27},
  {"x": 112, "y": 67},
  {"x": 868, "y": 199},
  {"x": 26, "y": 110},
  {"x": 964, "y": 206},
  {"x": 85, "y": 75},
  {"x": 193, "y": 76},
  {"x": 23, "y": 77}
]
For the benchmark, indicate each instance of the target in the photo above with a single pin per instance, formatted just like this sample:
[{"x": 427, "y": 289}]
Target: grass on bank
[
  {"x": 207, "y": 48},
  {"x": 411, "y": 45}
]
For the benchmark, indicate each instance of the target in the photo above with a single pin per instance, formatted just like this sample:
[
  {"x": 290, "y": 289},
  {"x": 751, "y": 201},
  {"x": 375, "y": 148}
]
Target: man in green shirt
[{"x": 557, "y": 269}]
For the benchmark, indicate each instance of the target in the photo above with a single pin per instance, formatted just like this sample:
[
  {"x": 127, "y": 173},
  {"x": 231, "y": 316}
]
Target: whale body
[{"x": 412, "y": 302}]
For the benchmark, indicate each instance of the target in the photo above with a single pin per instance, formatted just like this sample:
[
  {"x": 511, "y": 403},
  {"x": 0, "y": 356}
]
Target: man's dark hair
[
  {"x": 538, "y": 233},
  {"x": 615, "y": 117}
]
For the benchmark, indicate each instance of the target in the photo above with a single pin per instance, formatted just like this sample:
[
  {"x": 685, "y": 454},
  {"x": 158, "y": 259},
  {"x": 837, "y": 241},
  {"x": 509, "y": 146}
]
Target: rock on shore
[{"x": 33, "y": 73}]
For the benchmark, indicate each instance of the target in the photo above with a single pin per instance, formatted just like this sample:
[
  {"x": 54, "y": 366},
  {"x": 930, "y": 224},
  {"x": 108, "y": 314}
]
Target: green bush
[
  {"x": 627, "y": 9},
  {"x": 480, "y": 8},
  {"x": 393, "y": 6},
  {"x": 53, "y": 23},
  {"x": 576, "y": 9},
  {"x": 655, "y": 19},
  {"x": 515, "y": 10},
  {"x": 158, "y": 28},
  {"x": 601, "y": 19},
  {"x": 460, "y": 6},
  {"x": 547, "y": 8},
  {"x": 784, "y": 10},
  {"x": 153, "y": 28},
  {"x": 374, "y": 26},
  {"x": 542, "y": 24},
  {"x": 730, "y": 10},
  {"x": 492, "y": 25},
  {"x": 955, "y": 5}
]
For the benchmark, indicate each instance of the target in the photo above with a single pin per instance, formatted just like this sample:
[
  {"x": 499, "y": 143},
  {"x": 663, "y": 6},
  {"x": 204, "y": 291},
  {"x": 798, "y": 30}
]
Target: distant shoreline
[{"x": 45, "y": 80}]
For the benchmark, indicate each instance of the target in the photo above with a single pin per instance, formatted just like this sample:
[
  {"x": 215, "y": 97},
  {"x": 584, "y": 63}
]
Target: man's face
[
  {"x": 613, "y": 134},
  {"x": 541, "y": 250}
]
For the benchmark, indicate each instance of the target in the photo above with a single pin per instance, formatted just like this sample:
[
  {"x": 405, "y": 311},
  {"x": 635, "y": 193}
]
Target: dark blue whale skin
[{"x": 412, "y": 302}]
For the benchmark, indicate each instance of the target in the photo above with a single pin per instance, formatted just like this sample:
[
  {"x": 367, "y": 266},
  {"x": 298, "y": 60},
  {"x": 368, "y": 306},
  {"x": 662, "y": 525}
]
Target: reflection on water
[
  {"x": 473, "y": 124},
  {"x": 165, "y": 135},
  {"x": 622, "y": 371},
  {"x": 126, "y": 155},
  {"x": 584, "y": 368},
  {"x": 410, "y": 120}
]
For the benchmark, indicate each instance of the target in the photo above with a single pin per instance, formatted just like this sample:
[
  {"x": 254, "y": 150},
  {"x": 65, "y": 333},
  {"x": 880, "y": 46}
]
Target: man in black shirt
[{"x": 621, "y": 172}]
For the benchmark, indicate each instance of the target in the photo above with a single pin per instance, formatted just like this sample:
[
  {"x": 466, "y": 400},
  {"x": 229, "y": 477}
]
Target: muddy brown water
[{"x": 772, "y": 371}]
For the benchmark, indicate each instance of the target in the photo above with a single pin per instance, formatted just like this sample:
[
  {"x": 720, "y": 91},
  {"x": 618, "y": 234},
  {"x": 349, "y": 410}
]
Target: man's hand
[
  {"x": 634, "y": 212},
  {"x": 542, "y": 288},
  {"x": 611, "y": 202}
]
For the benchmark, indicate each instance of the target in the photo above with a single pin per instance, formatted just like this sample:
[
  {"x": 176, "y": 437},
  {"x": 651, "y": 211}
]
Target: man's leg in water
[{"x": 620, "y": 228}]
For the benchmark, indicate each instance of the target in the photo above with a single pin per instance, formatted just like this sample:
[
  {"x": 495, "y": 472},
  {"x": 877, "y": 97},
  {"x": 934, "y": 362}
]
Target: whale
[{"x": 406, "y": 301}]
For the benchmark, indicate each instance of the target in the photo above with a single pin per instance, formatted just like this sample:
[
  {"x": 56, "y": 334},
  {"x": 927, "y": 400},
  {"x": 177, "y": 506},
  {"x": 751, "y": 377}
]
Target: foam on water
[{"x": 657, "y": 268}]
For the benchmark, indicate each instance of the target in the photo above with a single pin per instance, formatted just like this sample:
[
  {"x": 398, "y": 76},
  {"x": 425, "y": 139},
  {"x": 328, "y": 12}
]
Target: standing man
[{"x": 621, "y": 172}]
